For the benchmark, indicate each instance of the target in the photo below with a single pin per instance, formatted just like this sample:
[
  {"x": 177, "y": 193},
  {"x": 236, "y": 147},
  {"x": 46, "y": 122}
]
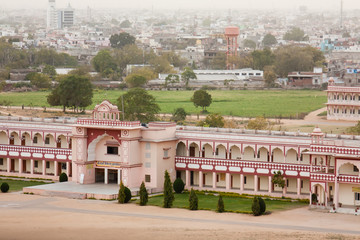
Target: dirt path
[{"x": 36, "y": 217}]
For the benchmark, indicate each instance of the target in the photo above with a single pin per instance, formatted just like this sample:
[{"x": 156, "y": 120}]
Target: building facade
[
  {"x": 103, "y": 149},
  {"x": 343, "y": 102}
]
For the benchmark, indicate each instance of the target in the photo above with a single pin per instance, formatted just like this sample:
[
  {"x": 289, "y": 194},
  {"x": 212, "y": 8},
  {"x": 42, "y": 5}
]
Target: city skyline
[{"x": 187, "y": 4}]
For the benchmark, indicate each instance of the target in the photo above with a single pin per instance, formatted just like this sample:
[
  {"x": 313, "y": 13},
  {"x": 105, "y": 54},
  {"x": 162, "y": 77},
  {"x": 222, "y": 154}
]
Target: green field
[
  {"x": 18, "y": 185},
  {"x": 233, "y": 204},
  {"x": 243, "y": 103}
]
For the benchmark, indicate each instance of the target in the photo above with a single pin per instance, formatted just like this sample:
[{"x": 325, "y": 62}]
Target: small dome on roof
[{"x": 317, "y": 130}]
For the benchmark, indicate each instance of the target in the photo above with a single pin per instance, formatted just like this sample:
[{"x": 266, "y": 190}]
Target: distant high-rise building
[
  {"x": 66, "y": 17},
  {"x": 52, "y": 15}
]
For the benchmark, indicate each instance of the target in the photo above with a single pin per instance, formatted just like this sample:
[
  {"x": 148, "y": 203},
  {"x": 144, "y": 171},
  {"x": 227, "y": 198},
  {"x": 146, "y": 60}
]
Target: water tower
[{"x": 231, "y": 35}]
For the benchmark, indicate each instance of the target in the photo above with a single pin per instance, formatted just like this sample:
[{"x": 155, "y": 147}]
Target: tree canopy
[
  {"x": 40, "y": 80},
  {"x": 213, "y": 120},
  {"x": 104, "y": 63},
  {"x": 139, "y": 105},
  {"x": 269, "y": 40},
  {"x": 249, "y": 44},
  {"x": 135, "y": 80},
  {"x": 73, "y": 91},
  {"x": 121, "y": 40},
  {"x": 201, "y": 98},
  {"x": 187, "y": 75},
  {"x": 295, "y": 34}
]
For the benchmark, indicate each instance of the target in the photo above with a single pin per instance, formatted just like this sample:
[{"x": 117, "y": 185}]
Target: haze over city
[{"x": 189, "y": 4}]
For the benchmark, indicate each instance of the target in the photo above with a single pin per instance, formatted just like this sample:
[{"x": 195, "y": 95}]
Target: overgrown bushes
[
  {"x": 4, "y": 187},
  {"x": 178, "y": 185},
  {"x": 63, "y": 177}
]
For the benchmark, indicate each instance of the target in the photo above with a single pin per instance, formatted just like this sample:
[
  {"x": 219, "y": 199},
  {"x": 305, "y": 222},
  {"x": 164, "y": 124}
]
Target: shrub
[
  {"x": 121, "y": 196},
  {"x": 63, "y": 177},
  {"x": 256, "y": 207},
  {"x": 262, "y": 205},
  {"x": 143, "y": 195},
  {"x": 313, "y": 198},
  {"x": 127, "y": 195},
  {"x": 4, "y": 187},
  {"x": 220, "y": 206},
  {"x": 178, "y": 185},
  {"x": 193, "y": 200},
  {"x": 168, "y": 191}
]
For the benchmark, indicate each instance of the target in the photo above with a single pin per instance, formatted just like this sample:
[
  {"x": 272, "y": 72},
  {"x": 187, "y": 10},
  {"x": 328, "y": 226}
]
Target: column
[
  {"x": 43, "y": 167},
  {"x": 20, "y": 166},
  {"x": 241, "y": 182},
  {"x": 119, "y": 176},
  {"x": 68, "y": 169},
  {"x": 327, "y": 164},
  {"x": 270, "y": 185},
  {"x": 201, "y": 179},
  {"x": 106, "y": 176},
  {"x": 8, "y": 164},
  {"x": 228, "y": 181},
  {"x": 336, "y": 194},
  {"x": 32, "y": 166},
  {"x": 56, "y": 168},
  {"x": 256, "y": 180},
  {"x": 285, "y": 187},
  {"x": 187, "y": 178},
  {"x": 298, "y": 186},
  {"x": 214, "y": 180}
]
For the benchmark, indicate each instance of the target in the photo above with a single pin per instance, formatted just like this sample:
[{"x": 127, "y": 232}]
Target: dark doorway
[
  {"x": 192, "y": 151},
  {"x": 24, "y": 166},
  {"x": 23, "y": 141},
  {"x": 113, "y": 176},
  {"x": 99, "y": 175},
  {"x": 191, "y": 178},
  {"x": 12, "y": 165}
]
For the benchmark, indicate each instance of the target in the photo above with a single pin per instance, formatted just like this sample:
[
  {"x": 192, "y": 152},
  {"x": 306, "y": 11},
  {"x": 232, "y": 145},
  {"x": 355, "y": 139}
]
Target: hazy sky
[{"x": 185, "y": 4}]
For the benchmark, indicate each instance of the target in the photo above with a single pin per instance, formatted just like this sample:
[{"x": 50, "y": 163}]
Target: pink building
[
  {"x": 106, "y": 150},
  {"x": 343, "y": 102}
]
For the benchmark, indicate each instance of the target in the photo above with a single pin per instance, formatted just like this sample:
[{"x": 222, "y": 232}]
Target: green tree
[
  {"x": 262, "y": 205},
  {"x": 121, "y": 196},
  {"x": 220, "y": 205},
  {"x": 278, "y": 179},
  {"x": 50, "y": 71},
  {"x": 249, "y": 44},
  {"x": 179, "y": 115},
  {"x": 218, "y": 62},
  {"x": 213, "y": 120},
  {"x": 174, "y": 59},
  {"x": 171, "y": 79},
  {"x": 269, "y": 76},
  {"x": 73, "y": 91},
  {"x": 187, "y": 75},
  {"x": 104, "y": 63},
  {"x": 193, "y": 200},
  {"x": 262, "y": 58},
  {"x": 161, "y": 65},
  {"x": 178, "y": 185},
  {"x": 40, "y": 80},
  {"x": 259, "y": 123},
  {"x": 146, "y": 72},
  {"x": 129, "y": 54},
  {"x": 256, "y": 207},
  {"x": 294, "y": 58},
  {"x": 125, "y": 24},
  {"x": 143, "y": 195},
  {"x": 139, "y": 105},
  {"x": 121, "y": 40},
  {"x": 354, "y": 130},
  {"x": 295, "y": 34},
  {"x": 168, "y": 191},
  {"x": 269, "y": 40},
  {"x": 201, "y": 98},
  {"x": 135, "y": 80}
]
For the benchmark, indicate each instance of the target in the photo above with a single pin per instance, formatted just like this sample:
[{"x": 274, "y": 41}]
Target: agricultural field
[
  {"x": 232, "y": 203},
  {"x": 242, "y": 103}
]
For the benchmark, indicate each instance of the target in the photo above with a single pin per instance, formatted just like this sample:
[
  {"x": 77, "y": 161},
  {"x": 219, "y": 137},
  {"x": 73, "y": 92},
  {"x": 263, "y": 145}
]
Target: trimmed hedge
[
  {"x": 256, "y": 207},
  {"x": 178, "y": 185},
  {"x": 63, "y": 177},
  {"x": 127, "y": 195},
  {"x": 4, "y": 187},
  {"x": 220, "y": 206},
  {"x": 193, "y": 200},
  {"x": 262, "y": 205}
]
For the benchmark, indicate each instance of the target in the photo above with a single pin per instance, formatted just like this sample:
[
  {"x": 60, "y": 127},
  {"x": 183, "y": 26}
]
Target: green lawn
[
  {"x": 18, "y": 185},
  {"x": 233, "y": 204},
  {"x": 244, "y": 103}
]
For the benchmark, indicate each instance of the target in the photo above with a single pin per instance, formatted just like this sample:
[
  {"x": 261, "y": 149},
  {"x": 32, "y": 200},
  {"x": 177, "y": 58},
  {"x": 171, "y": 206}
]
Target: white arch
[{"x": 92, "y": 147}]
